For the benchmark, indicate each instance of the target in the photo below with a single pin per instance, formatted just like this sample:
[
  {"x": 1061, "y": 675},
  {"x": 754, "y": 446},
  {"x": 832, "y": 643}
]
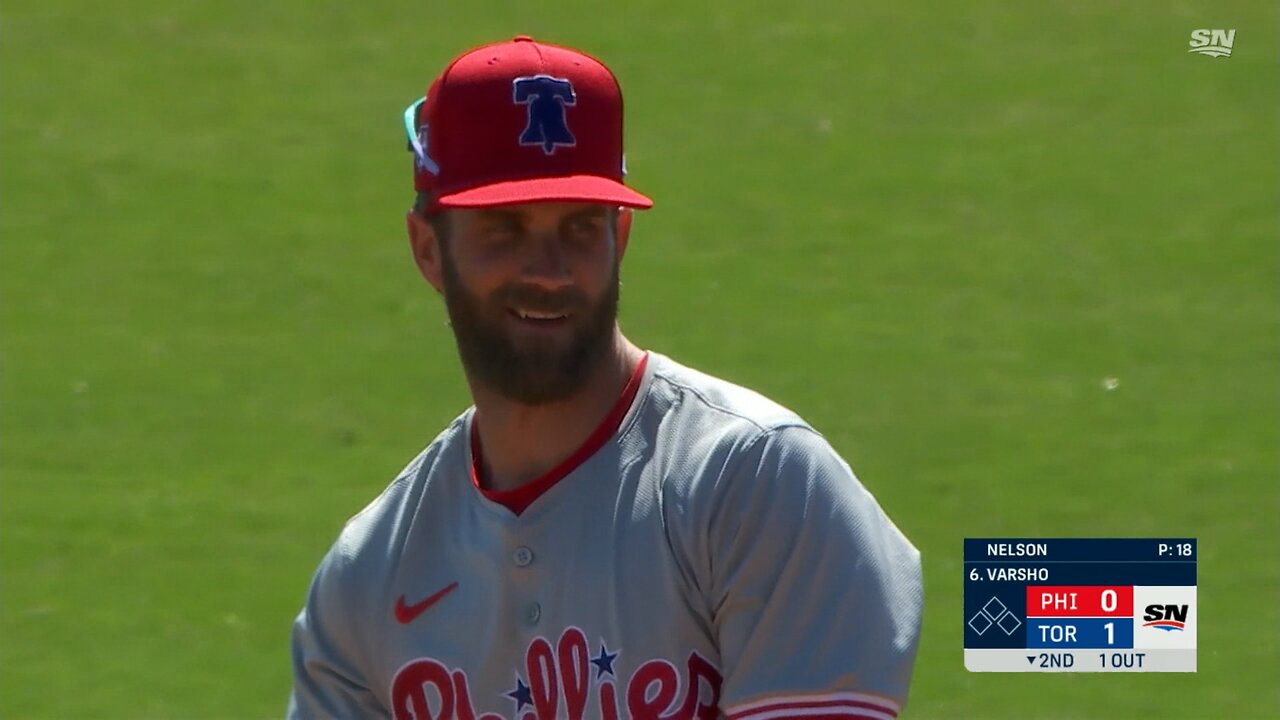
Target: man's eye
[
  {"x": 503, "y": 231},
  {"x": 587, "y": 225}
]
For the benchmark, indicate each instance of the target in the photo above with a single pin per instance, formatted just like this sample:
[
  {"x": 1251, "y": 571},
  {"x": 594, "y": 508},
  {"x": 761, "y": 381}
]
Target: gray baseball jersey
[{"x": 714, "y": 557}]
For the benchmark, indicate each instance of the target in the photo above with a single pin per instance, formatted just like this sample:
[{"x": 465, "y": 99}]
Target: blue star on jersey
[
  {"x": 521, "y": 695},
  {"x": 546, "y": 97},
  {"x": 604, "y": 662}
]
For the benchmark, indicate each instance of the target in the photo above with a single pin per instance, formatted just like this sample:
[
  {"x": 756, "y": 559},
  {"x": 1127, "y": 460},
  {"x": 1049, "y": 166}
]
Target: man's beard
[{"x": 542, "y": 371}]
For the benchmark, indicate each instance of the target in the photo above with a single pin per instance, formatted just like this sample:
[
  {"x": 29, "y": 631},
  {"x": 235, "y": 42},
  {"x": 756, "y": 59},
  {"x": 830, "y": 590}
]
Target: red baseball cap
[{"x": 517, "y": 122}]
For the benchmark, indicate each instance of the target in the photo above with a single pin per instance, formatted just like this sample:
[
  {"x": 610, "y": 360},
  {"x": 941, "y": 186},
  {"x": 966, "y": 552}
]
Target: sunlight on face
[{"x": 532, "y": 295}]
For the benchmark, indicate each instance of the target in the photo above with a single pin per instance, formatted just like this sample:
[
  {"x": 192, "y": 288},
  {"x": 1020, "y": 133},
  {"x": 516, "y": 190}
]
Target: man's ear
[
  {"x": 622, "y": 233},
  {"x": 426, "y": 249}
]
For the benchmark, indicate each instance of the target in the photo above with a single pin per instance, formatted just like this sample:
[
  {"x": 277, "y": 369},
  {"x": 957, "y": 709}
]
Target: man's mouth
[{"x": 539, "y": 316}]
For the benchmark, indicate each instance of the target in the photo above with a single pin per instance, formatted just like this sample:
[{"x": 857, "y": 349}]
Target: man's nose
[{"x": 546, "y": 263}]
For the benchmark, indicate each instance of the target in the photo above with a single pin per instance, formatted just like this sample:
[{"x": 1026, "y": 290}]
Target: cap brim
[{"x": 570, "y": 188}]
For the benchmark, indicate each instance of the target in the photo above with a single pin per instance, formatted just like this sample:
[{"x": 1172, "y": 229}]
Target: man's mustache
[{"x": 538, "y": 300}]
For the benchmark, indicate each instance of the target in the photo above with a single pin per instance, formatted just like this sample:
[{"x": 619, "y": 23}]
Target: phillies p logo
[{"x": 545, "y": 97}]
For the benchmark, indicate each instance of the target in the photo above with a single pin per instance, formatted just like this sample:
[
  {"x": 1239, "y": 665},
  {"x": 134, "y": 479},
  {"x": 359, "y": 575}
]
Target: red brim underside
[{"x": 572, "y": 188}]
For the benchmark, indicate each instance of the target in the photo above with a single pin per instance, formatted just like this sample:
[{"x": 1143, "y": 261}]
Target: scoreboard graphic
[{"x": 1080, "y": 605}]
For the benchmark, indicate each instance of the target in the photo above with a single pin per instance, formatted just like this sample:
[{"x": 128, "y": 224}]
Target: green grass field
[{"x": 932, "y": 229}]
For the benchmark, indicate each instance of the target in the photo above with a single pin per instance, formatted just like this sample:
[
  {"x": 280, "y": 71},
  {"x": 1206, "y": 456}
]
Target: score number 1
[{"x": 1108, "y": 605}]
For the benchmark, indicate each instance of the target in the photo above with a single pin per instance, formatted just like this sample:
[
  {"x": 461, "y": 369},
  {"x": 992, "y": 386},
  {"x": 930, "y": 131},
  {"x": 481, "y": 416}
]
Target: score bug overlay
[{"x": 1080, "y": 605}]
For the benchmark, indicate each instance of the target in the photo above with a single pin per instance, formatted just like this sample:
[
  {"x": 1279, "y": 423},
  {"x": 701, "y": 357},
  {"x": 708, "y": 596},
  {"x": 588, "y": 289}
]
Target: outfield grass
[{"x": 932, "y": 230}]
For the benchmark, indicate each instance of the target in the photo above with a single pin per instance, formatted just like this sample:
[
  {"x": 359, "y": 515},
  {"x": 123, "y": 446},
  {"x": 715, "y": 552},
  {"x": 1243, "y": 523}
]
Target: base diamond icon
[
  {"x": 1008, "y": 623},
  {"x": 980, "y": 622},
  {"x": 995, "y": 613}
]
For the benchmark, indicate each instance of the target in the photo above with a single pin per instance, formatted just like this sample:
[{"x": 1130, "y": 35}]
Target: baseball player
[{"x": 606, "y": 533}]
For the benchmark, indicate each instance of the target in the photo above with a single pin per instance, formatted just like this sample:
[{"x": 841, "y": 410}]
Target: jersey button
[
  {"x": 522, "y": 556},
  {"x": 533, "y": 613}
]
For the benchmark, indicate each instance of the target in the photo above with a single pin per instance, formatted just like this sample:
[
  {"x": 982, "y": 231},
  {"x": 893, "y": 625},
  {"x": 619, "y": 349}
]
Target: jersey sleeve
[
  {"x": 816, "y": 595},
  {"x": 327, "y": 681}
]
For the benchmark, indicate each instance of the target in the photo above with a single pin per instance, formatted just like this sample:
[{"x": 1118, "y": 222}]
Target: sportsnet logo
[
  {"x": 1214, "y": 43},
  {"x": 1166, "y": 617}
]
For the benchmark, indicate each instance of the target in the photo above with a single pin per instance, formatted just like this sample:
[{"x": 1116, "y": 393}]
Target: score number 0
[{"x": 1109, "y": 594}]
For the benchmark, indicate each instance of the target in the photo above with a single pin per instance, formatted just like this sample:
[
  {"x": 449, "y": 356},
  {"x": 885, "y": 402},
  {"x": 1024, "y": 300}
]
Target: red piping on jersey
[
  {"x": 520, "y": 498},
  {"x": 830, "y": 705}
]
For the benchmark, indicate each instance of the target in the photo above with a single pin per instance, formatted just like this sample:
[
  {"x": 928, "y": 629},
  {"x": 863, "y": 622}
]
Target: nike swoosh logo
[{"x": 408, "y": 613}]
